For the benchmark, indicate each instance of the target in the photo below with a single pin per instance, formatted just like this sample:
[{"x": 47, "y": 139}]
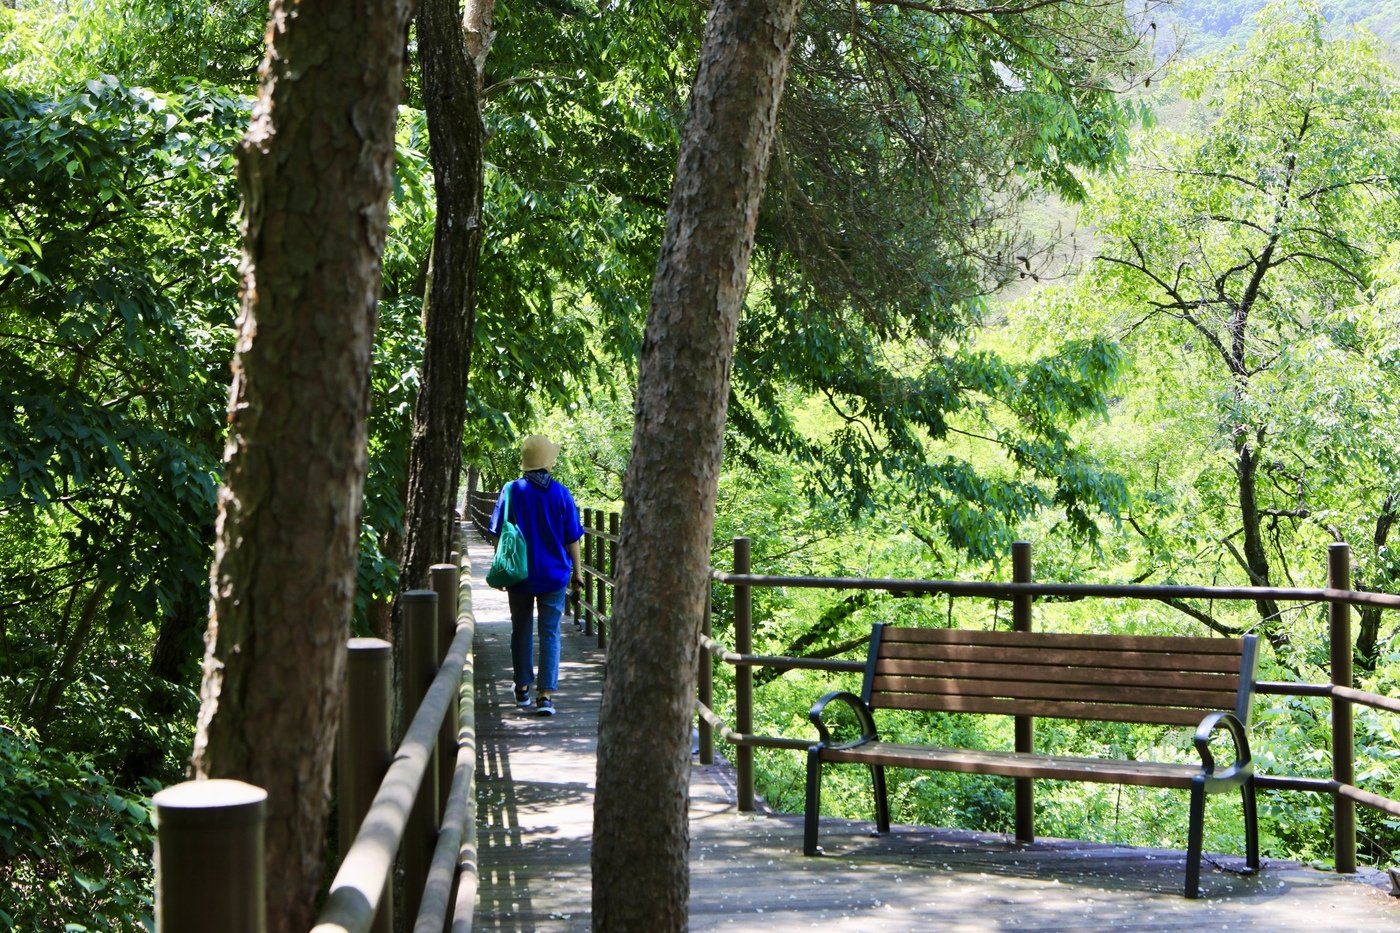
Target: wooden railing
[
  {"x": 599, "y": 551},
  {"x": 415, "y": 802},
  {"x": 1341, "y": 692}
]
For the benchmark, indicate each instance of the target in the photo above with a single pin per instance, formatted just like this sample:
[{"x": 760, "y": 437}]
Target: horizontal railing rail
[
  {"x": 779, "y": 662},
  {"x": 747, "y": 741},
  {"x": 479, "y": 508},
  {"x": 1009, "y": 590}
]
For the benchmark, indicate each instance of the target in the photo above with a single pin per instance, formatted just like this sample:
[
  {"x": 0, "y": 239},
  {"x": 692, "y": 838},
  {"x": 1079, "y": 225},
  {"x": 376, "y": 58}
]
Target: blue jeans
[{"x": 522, "y": 648}]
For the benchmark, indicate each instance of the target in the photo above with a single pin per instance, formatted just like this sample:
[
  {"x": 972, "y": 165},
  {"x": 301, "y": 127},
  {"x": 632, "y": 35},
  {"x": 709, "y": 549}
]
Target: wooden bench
[{"x": 1202, "y": 683}]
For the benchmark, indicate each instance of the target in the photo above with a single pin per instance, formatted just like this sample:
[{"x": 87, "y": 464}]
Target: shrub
[{"x": 75, "y": 852}]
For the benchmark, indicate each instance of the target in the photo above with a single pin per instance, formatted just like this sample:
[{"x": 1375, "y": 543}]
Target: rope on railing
[
  {"x": 778, "y": 662},
  {"x": 742, "y": 740}
]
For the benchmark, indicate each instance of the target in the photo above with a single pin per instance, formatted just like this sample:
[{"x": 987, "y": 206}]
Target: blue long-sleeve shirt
[{"x": 548, "y": 519}]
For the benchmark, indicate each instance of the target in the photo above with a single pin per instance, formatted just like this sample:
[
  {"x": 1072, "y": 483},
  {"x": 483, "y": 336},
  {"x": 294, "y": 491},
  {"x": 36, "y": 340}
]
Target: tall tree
[
  {"x": 910, "y": 140},
  {"x": 640, "y": 843},
  {"x": 453, "y": 54},
  {"x": 1250, "y": 242},
  {"x": 316, "y": 168}
]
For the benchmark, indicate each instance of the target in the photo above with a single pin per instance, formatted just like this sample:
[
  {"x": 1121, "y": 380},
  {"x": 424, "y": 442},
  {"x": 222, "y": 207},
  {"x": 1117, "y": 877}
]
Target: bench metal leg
[
  {"x": 1194, "y": 838},
  {"x": 814, "y": 801},
  {"x": 1251, "y": 825},
  {"x": 882, "y": 800}
]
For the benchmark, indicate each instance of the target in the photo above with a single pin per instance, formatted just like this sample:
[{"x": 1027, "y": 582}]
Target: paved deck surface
[{"x": 535, "y": 780}]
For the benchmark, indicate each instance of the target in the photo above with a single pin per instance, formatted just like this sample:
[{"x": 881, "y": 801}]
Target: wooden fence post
[
  {"x": 366, "y": 748},
  {"x": 209, "y": 858},
  {"x": 743, "y": 674},
  {"x": 419, "y": 667},
  {"x": 1343, "y": 736},
  {"x": 600, "y": 606},
  {"x": 589, "y": 561},
  {"x": 1022, "y": 572}
]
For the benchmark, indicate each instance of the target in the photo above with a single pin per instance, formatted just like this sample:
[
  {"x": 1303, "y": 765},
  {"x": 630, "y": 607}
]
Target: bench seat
[
  {"x": 1173, "y": 681},
  {"x": 1014, "y": 764}
]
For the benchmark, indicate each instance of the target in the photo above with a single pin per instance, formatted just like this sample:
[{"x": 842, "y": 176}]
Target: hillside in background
[
  {"x": 1201, "y": 27},
  {"x": 1206, "y": 24}
]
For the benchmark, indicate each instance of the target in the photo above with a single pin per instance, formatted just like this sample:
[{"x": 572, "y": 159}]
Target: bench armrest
[
  {"x": 1243, "y": 764},
  {"x": 863, "y": 715}
]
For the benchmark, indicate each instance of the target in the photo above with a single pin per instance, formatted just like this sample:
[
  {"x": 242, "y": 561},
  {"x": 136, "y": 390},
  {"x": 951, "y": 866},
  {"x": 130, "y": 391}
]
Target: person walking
[{"x": 544, "y": 511}]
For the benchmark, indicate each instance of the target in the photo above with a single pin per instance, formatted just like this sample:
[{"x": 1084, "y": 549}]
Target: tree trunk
[
  {"x": 177, "y": 640},
  {"x": 1255, "y": 557},
  {"x": 1368, "y": 631},
  {"x": 177, "y": 645},
  {"x": 640, "y": 827},
  {"x": 452, "y": 52},
  {"x": 76, "y": 641},
  {"x": 316, "y": 168}
]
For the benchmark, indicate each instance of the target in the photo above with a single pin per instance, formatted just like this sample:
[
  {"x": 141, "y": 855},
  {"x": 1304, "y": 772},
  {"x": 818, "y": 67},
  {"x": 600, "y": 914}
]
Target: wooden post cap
[{"x": 214, "y": 800}]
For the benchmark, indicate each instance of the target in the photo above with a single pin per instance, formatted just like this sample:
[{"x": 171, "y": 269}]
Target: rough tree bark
[
  {"x": 316, "y": 169},
  {"x": 1256, "y": 558},
  {"x": 1368, "y": 631},
  {"x": 640, "y": 829},
  {"x": 453, "y": 52}
]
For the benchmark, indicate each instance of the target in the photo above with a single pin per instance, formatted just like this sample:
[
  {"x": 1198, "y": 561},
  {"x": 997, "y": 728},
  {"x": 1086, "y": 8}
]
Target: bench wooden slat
[
  {"x": 1155, "y": 715},
  {"x": 1011, "y": 764},
  {"x": 1228, "y": 646},
  {"x": 978, "y": 670},
  {"x": 1048, "y": 656},
  {"x": 1153, "y": 695}
]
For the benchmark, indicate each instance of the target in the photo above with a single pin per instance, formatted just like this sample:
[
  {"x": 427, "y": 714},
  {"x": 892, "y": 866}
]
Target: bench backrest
[{"x": 1117, "y": 678}]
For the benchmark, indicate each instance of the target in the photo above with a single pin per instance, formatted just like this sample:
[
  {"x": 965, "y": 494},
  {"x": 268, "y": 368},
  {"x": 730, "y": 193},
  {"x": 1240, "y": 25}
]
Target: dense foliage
[
  {"x": 897, "y": 411},
  {"x": 908, "y": 143},
  {"x": 117, "y": 290},
  {"x": 73, "y": 848}
]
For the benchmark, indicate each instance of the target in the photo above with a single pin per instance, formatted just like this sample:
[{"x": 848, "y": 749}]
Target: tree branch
[{"x": 1205, "y": 618}]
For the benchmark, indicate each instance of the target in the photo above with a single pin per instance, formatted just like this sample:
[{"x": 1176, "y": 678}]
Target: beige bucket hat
[{"x": 538, "y": 453}]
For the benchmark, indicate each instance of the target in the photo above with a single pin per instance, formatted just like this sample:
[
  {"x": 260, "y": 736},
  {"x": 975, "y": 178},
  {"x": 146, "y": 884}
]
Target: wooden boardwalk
[{"x": 535, "y": 781}]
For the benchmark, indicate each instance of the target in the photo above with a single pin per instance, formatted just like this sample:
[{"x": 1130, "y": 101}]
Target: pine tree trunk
[
  {"x": 640, "y": 829},
  {"x": 452, "y": 98},
  {"x": 316, "y": 169}
]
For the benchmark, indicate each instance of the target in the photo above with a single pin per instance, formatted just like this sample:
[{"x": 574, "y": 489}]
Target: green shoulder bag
[{"x": 511, "y": 563}]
